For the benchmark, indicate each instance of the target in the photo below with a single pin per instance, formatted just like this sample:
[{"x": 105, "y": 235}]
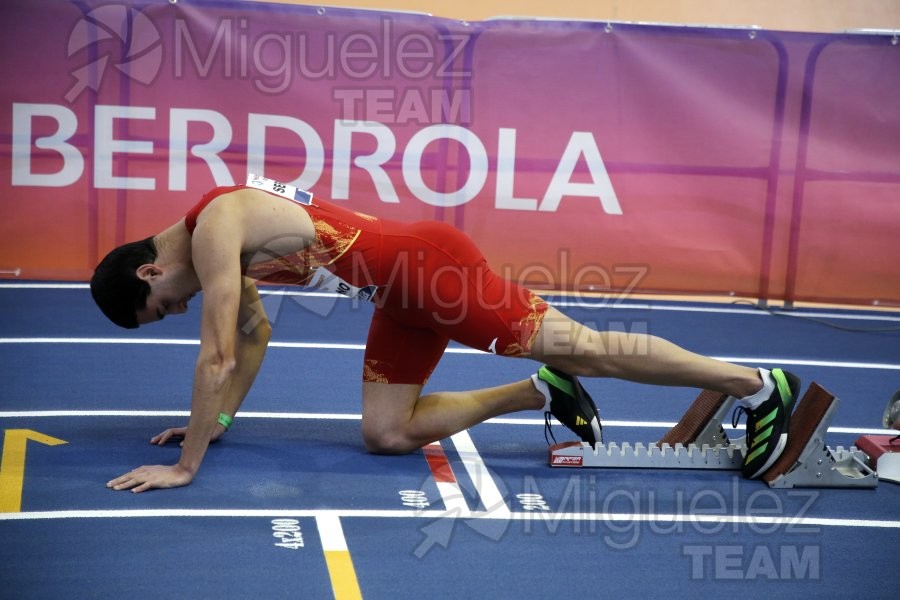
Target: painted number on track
[
  {"x": 287, "y": 533},
  {"x": 532, "y": 502},
  {"x": 414, "y": 498}
]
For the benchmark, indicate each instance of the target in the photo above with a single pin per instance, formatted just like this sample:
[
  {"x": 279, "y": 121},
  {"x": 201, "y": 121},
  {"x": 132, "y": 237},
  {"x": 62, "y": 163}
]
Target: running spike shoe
[
  {"x": 767, "y": 425},
  {"x": 571, "y": 405}
]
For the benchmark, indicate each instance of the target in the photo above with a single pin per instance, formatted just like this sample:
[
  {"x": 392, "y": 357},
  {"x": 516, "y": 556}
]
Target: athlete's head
[{"x": 116, "y": 287}]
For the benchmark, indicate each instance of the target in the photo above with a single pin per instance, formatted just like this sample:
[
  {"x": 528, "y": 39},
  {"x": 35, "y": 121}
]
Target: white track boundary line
[
  {"x": 450, "y": 492},
  {"x": 566, "y": 301},
  {"x": 330, "y": 532},
  {"x": 485, "y": 486},
  {"x": 40, "y": 414},
  {"x": 756, "y": 520},
  {"x": 451, "y": 350}
]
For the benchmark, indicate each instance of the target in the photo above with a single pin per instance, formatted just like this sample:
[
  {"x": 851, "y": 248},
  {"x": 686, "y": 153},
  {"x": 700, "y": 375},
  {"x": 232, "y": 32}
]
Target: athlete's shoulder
[{"x": 192, "y": 215}]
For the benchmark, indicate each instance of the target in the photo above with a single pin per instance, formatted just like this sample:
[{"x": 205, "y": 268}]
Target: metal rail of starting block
[{"x": 699, "y": 441}]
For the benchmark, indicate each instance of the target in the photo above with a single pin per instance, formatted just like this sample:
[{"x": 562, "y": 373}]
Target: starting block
[
  {"x": 698, "y": 441},
  {"x": 884, "y": 455}
]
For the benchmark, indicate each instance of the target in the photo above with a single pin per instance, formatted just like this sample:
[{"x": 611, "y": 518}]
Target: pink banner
[{"x": 584, "y": 156}]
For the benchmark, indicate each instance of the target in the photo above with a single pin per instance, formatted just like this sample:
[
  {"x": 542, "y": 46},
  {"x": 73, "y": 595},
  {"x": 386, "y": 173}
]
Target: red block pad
[{"x": 884, "y": 456}]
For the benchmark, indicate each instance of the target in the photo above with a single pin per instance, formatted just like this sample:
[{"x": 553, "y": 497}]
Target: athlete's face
[{"x": 170, "y": 290}]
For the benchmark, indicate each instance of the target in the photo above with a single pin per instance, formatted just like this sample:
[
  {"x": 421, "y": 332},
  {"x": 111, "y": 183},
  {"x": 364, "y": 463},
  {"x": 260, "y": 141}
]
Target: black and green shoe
[
  {"x": 767, "y": 425},
  {"x": 571, "y": 405}
]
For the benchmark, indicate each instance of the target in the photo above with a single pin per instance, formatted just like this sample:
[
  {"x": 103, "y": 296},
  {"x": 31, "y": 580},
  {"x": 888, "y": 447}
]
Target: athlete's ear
[{"x": 148, "y": 272}]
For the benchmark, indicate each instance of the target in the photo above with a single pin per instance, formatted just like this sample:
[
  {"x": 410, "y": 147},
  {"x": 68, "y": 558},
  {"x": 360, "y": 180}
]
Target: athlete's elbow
[{"x": 216, "y": 368}]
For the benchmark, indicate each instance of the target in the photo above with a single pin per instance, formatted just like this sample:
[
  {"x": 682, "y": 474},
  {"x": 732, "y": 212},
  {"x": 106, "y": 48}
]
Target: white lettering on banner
[
  {"x": 256, "y": 146},
  {"x": 208, "y": 152},
  {"x": 506, "y": 172},
  {"x": 412, "y": 165},
  {"x": 104, "y": 147},
  {"x": 370, "y": 163},
  {"x": 67, "y": 123},
  {"x": 581, "y": 143}
]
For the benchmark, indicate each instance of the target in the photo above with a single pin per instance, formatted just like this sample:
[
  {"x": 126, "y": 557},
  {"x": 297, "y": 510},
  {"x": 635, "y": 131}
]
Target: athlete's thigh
[
  {"x": 397, "y": 352},
  {"x": 567, "y": 344}
]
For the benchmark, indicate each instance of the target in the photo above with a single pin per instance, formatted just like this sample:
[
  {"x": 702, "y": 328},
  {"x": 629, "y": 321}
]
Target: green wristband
[{"x": 225, "y": 421}]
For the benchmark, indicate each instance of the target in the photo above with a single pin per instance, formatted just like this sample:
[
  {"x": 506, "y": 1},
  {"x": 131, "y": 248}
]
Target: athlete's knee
[{"x": 387, "y": 441}]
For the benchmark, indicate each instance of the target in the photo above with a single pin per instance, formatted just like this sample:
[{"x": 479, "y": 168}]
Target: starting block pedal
[
  {"x": 807, "y": 461},
  {"x": 884, "y": 455},
  {"x": 698, "y": 441}
]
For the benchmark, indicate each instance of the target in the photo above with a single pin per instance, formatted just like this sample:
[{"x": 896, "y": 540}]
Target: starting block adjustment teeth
[{"x": 698, "y": 441}]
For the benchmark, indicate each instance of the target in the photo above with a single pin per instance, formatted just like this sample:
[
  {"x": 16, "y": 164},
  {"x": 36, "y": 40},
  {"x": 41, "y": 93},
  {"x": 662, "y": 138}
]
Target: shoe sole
[
  {"x": 584, "y": 403},
  {"x": 586, "y": 406}
]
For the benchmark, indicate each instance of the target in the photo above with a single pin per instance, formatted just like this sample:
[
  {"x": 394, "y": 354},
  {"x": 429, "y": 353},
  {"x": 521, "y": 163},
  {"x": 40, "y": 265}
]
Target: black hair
[{"x": 115, "y": 286}]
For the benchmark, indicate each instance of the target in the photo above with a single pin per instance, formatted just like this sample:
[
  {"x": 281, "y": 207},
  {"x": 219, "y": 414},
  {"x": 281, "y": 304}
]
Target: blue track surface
[{"x": 297, "y": 454}]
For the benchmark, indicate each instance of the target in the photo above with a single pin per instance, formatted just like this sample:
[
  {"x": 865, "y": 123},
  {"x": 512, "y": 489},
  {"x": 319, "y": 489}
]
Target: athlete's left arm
[{"x": 252, "y": 338}]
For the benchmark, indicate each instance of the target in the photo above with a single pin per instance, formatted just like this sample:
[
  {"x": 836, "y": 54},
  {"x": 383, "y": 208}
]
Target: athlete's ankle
[
  {"x": 761, "y": 390},
  {"x": 541, "y": 393}
]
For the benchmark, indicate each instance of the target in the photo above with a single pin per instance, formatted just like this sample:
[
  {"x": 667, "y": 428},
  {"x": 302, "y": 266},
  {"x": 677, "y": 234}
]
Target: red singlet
[{"x": 434, "y": 286}]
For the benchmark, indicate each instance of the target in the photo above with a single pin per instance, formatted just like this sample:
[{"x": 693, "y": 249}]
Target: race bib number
[
  {"x": 325, "y": 280},
  {"x": 284, "y": 190}
]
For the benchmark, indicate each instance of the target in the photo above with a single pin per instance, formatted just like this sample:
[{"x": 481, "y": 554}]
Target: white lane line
[
  {"x": 263, "y": 291},
  {"x": 451, "y": 350},
  {"x": 196, "y": 342},
  {"x": 38, "y": 414},
  {"x": 565, "y": 301},
  {"x": 485, "y": 486},
  {"x": 727, "y": 310},
  {"x": 171, "y": 342},
  {"x": 756, "y": 520},
  {"x": 330, "y": 532},
  {"x": 44, "y": 286},
  {"x": 337, "y": 557},
  {"x": 840, "y": 364},
  {"x": 16, "y": 414},
  {"x": 445, "y": 479}
]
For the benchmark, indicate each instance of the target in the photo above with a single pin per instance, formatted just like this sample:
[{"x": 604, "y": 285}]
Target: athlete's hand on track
[
  {"x": 150, "y": 477},
  {"x": 176, "y": 434},
  {"x": 160, "y": 476}
]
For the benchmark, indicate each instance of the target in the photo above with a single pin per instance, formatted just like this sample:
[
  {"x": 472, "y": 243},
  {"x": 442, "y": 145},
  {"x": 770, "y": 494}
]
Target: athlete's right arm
[{"x": 216, "y": 253}]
